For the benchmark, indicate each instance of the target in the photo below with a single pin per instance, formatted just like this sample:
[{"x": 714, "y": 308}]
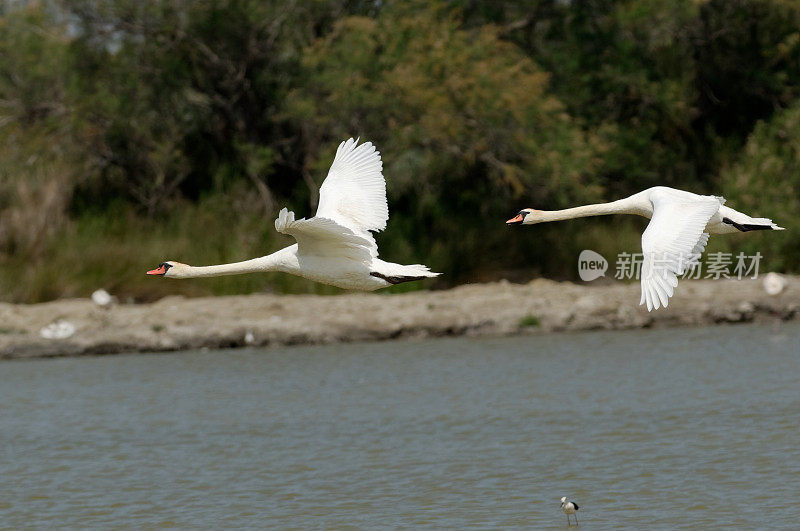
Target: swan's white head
[
  {"x": 526, "y": 216},
  {"x": 167, "y": 269}
]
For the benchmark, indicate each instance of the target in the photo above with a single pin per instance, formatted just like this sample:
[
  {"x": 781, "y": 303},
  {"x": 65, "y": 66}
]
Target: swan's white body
[
  {"x": 336, "y": 246},
  {"x": 680, "y": 224}
]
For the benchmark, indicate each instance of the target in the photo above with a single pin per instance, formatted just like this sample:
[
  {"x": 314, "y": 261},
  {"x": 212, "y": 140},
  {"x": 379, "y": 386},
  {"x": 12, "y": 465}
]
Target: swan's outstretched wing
[
  {"x": 324, "y": 237},
  {"x": 354, "y": 192},
  {"x": 672, "y": 243}
]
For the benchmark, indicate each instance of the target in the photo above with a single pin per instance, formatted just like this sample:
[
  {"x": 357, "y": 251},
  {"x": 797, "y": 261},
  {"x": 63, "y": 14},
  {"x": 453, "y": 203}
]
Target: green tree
[
  {"x": 625, "y": 70},
  {"x": 131, "y": 129},
  {"x": 188, "y": 96},
  {"x": 766, "y": 182},
  {"x": 463, "y": 118},
  {"x": 673, "y": 87},
  {"x": 747, "y": 62},
  {"x": 38, "y": 155}
]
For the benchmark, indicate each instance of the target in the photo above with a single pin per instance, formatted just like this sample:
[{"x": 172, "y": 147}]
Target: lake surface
[{"x": 663, "y": 428}]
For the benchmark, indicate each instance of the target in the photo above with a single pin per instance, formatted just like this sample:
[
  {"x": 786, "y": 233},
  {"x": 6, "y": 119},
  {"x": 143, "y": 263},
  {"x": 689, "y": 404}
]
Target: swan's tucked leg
[
  {"x": 394, "y": 279},
  {"x": 745, "y": 227}
]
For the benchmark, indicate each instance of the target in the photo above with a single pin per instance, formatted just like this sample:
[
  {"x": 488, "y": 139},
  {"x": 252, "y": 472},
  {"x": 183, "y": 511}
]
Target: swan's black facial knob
[
  {"x": 161, "y": 270},
  {"x": 519, "y": 218}
]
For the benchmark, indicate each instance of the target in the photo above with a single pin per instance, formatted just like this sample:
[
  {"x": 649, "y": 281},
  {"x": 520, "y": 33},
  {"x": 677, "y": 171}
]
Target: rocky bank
[{"x": 501, "y": 308}]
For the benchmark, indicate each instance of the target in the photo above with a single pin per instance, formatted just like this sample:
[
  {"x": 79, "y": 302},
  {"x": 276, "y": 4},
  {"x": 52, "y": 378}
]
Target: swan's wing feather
[
  {"x": 354, "y": 192},
  {"x": 325, "y": 237},
  {"x": 698, "y": 249},
  {"x": 672, "y": 243}
]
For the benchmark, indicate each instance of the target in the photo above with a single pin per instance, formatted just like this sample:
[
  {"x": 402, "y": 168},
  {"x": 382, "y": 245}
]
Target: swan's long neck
[
  {"x": 629, "y": 205},
  {"x": 284, "y": 260}
]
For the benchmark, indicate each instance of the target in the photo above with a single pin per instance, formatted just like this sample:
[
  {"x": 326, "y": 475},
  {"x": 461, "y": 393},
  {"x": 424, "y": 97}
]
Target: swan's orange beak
[
  {"x": 160, "y": 270},
  {"x": 516, "y": 220}
]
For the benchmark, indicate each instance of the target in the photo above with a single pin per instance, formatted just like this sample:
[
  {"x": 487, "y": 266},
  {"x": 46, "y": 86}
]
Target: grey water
[{"x": 648, "y": 429}]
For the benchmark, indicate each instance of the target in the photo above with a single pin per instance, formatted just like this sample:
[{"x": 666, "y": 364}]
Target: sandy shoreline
[{"x": 494, "y": 309}]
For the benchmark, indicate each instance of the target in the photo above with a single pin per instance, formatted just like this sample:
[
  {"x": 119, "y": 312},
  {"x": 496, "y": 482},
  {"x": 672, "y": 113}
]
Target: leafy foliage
[
  {"x": 765, "y": 181},
  {"x": 471, "y": 129},
  {"x": 134, "y": 131}
]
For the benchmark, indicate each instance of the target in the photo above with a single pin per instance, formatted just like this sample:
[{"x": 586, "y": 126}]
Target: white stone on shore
[
  {"x": 774, "y": 283},
  {"x": 102, "y": 298},
  {"x": 58, "y": 330}
]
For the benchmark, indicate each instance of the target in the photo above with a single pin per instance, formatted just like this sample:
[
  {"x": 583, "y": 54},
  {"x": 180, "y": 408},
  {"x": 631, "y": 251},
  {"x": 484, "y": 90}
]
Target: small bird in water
[{"x": 569, "y": 508}]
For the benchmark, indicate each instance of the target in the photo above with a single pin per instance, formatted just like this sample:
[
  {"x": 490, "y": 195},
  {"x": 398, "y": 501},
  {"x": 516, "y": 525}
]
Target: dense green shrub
[
  {"x": 766, "y": 182},
  {"x": 135, "y": 131}
]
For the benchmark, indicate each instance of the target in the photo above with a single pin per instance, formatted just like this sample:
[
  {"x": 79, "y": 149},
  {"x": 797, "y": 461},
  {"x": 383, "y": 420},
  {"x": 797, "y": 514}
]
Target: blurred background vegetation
[{"x": 135, "y": 131}]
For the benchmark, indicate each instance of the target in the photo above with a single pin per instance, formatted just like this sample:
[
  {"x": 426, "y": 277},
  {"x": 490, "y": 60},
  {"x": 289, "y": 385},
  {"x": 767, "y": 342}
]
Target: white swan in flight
[
  {"x": 680, "y": 223},
  {"x": 335, "y": 246}
]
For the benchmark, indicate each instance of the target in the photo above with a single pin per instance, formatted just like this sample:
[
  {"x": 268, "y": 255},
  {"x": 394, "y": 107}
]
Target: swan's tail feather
[
  {"x": 766, "y": 223},
  {"x": 745, "y": 223},
  {"x": 419, "y": 270},
  {"x": 753, "y": 224},
  {"x": 760, "y": 224},
  {"x": 398, "y": 279},
  {"x": 398, "y": 273}
]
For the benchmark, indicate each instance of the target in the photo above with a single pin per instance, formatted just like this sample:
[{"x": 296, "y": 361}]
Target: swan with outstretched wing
[
  {"x": 335, "y": 246},
  {"x": 680, "y": 224}
]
